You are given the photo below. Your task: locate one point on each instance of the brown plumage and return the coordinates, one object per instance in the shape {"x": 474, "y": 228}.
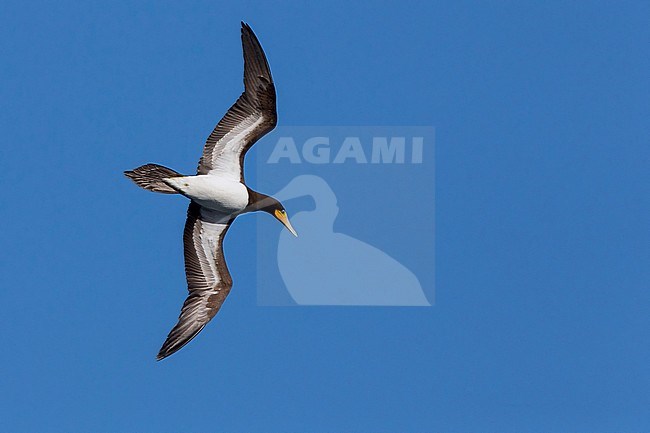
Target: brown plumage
{"x": 203, "y": 245}
{"x": 220, "y": 171}
{"x": 256, "y": 103}
{"x": 149, "y": 177}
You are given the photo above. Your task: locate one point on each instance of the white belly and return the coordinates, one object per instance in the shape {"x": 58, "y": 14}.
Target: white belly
{"x": 213, "y": 192}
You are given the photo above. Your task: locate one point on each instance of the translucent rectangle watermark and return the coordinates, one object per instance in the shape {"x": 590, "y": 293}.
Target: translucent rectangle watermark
{"x": 361, "y": 199}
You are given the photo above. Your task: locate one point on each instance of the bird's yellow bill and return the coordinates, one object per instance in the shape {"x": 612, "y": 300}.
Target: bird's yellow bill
{"x": 284, "y": 219}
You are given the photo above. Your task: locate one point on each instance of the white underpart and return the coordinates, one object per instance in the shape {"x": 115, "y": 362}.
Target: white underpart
{"x": 225, "y": 162}
{"x": 218, "y": 193}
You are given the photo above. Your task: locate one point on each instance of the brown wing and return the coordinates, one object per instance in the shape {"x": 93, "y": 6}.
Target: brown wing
{"x": 208, "y": 279}
{"x": 251, "y": 117}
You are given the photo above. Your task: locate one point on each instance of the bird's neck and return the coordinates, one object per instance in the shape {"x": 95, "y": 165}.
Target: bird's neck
{"x": 256, "y": 201}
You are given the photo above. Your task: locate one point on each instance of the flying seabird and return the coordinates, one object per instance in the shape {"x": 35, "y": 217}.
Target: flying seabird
{"x": 218, "y": 194}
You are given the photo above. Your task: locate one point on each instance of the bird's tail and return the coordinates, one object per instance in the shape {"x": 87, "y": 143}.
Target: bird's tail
{"x": 150, "y": 177}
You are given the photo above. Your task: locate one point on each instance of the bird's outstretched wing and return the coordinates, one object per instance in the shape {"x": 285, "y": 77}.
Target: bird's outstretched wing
{"x": 250, "y": 118}
{"x": 208, "y": 279}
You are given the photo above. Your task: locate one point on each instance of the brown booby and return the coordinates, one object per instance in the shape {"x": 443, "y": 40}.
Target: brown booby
{"x": 218, "y": 194}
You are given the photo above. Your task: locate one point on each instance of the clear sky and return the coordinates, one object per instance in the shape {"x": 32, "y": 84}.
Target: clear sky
{"x": 541, "y": 318}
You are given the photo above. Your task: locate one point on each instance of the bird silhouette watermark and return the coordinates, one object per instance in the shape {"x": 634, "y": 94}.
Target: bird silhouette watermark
{"x": 366, "y": 232}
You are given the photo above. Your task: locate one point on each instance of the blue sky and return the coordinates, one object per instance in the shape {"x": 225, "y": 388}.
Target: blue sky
{"x": 542, "y": 244}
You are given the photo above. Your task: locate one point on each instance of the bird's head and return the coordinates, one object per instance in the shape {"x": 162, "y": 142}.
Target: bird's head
{"x": 271, "y": 206}
{"x": 281, "y": 215}
{"x": 276, "y": 209}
